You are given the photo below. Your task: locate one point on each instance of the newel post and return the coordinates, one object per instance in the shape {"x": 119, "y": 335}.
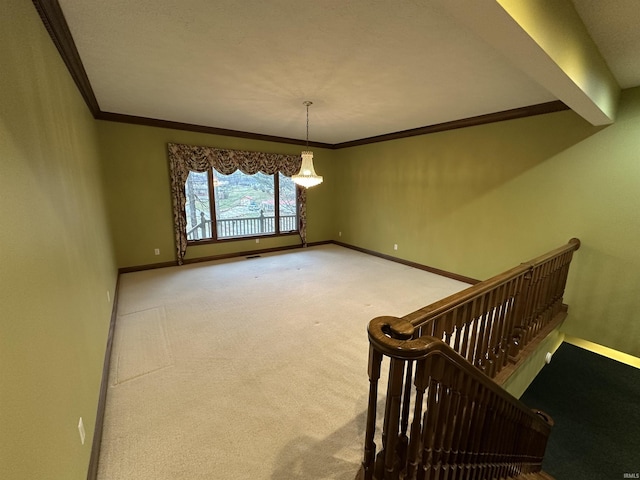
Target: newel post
{"x": 375, "y": 360}
{"x": 387, "y": 335}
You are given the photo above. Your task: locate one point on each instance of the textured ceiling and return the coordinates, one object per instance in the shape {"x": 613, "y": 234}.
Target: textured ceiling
{"x": 369, "y": 67}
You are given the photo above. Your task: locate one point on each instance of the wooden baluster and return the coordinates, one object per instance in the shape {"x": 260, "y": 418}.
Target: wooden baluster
{"x": 497, "y": 430}
{"x": 472, "y": 322}
{"x": 447, "y": 323}
{"x": 444, "y": 399}
{"x": 438, "y": 327}
{"x": 480, "y": 315}
{"x": 491, "y": 439}
{"x": 479, "y": 329}
{"x": 421, "y": 383}
{"x": 488, "y": 444}
{"x": 515, "y": 447}
{"x": 517, "y": 443}
{"x": 520, "y": 311}
{"x": 392, "y": 419}
{"x": 543, "y": 300}
{"x": 483, "y": 330}
{"x": 528, "y": 312}
{"x": 431, "y": 419}
{"x": 493, "y": 326}
{"x": 503, "y": 436}
{"x": 507, "y": 441}
{"x": 552, "y": 283}
{"x": 536, "y": 303}
{"x": 562, "y": 282}
{"x": 465, "y": 311}
{"x": 557, "y": 284}
{"x": 458, "y": 424}
{"x": 498, "y": 329}
{"x": 375, "y": 360}
{"x": 505, "y": 333}
{"x": 457, "y": 325}
{"x": 563, "y": 279}
{"x": 530, "y": 308}
{"x": 514, "y": 286}
{"x": 472, "y": 332}
{"x": 449, "y": 426}
{"x": 429, "y": 329}
{"x": 471, "y": 392}
{"x": 548, "y": 293}
{"x": 475, "y": 449}
{"x": 406, "y": 406}
{"x": 494, "y": 323}
{"x": 489, "y": 322}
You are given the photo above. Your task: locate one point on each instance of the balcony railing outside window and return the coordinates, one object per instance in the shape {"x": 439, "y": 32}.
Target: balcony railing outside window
{"x": 241, "y": 227}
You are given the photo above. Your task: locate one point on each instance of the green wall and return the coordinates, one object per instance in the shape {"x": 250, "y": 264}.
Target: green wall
{"x": 139, "y": 196}
{"x": 479, "y": 200}
{"x": 57, "y": 263}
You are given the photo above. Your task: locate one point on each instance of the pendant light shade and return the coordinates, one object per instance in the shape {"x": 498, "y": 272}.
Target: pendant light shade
{"x": 307, "y": 176}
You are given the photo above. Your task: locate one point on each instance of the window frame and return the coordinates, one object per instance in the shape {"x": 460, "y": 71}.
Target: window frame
{"x": 213, "y": 219}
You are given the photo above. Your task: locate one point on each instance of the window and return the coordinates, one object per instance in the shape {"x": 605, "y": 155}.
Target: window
{"x": 241, "y": 205}
{"x": 198, "y": 193}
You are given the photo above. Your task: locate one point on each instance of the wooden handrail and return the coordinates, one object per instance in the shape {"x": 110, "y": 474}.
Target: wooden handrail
{"x": 460, "y": 420}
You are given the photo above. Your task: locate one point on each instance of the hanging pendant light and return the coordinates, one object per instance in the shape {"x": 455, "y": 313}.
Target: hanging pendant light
{"x": 307, "y": 176}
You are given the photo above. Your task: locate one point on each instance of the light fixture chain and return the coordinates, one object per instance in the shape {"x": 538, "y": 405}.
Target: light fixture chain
{"x": 307, "y": 124}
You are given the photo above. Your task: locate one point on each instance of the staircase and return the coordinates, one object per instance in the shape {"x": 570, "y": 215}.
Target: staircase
{"x": 445, "y": 414}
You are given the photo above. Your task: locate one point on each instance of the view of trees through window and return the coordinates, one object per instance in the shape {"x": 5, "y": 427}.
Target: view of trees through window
{"x": 243, "y": 205}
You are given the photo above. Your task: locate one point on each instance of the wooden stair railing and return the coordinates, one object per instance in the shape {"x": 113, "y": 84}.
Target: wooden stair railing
{"x": 491, "y": 322}
{"x": 463, "y": 424}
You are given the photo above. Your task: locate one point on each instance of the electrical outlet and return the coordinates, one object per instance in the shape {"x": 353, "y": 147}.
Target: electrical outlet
{"x": 157, "y": 251}
{"x": 339, "y": 234}
{"x": 395, "y": 246}
{"x": 257, "y": 240}
{"x": 81, "y": 430}
{"x": 108, "y": 297}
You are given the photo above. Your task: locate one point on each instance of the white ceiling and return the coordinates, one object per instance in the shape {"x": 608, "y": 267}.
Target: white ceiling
{"x": 370, "y": 67}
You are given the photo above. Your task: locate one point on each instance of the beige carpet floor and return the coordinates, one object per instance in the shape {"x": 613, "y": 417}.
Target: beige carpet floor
{"x": 250, "y": 369}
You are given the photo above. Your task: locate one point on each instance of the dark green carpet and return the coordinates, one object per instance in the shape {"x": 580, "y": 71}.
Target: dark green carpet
{"x": 595, "y": 404}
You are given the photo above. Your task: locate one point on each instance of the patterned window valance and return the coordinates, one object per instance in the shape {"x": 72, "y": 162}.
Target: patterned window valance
{"x": 188, "y": 158}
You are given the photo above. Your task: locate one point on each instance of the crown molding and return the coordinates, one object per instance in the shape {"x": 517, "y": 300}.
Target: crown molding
{"x": 528, "y": 111}
{"x": 55, "y": 23}
{"x": 154, "y": 122}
